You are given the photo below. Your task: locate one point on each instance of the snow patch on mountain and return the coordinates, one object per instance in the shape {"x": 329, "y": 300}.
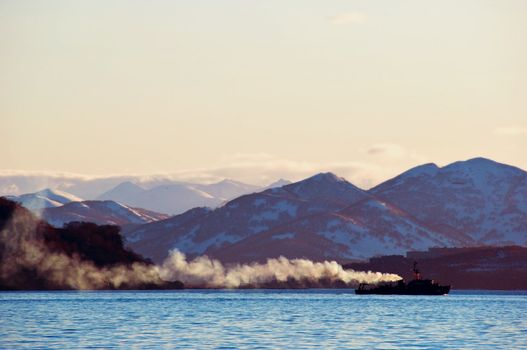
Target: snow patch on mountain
{"x": 199, "y": 248}
{"x": 177, "y": 197}
{"x": 478, "y": 197}
{"x": 99, "y": 212}
{"x": 288, "y": 235}
{"x": 46, "y": 198}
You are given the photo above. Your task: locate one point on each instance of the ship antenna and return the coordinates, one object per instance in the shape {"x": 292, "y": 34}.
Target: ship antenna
{"x": 417, "y": 274}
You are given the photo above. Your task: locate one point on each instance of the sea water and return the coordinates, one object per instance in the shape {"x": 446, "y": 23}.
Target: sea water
{"x": 261, "y": 319}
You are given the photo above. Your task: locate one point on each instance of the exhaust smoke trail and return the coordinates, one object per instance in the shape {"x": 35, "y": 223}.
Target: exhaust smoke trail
{"x": 203, "y": 272}
{"x": 34, "y": 256}
{"x": 27, "y": 262}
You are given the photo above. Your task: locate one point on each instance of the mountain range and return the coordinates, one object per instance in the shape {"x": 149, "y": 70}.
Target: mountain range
{"x": 176, "y": 198}
{"x": 463, "y": 204}
{"x": 162, "y": 196}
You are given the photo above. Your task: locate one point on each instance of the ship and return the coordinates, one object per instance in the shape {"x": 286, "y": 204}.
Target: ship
{"x": 417, "y": 286}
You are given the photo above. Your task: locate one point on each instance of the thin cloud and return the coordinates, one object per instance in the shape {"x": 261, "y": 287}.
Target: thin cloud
{"x": 348, "y": 18}
{"x": 386, "y": 149}
{"x": 394, "y": 153}
{"x": 257, "y": 169}
{"x": 263, "y": 169}
{"x": 510, "y": 131}
{"x": 381, "y": 162}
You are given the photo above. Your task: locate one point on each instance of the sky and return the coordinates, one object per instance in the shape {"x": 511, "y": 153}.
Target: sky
{"x": 256, "y": 90}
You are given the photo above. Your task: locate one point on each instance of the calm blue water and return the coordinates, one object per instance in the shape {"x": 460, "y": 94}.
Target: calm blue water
{"x": 261, "y": 319}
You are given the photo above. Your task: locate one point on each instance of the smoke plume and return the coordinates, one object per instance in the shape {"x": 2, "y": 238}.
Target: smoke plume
{"x": 27, "y": 262}
{"x": 34, "y": 255}
{"x": 203, "y": 272}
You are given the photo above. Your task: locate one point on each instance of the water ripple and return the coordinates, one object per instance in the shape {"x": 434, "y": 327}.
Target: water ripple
{"x": 260, "y": 320}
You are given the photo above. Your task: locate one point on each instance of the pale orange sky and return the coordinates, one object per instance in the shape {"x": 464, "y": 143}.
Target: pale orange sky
{"x": 255, "y": 90}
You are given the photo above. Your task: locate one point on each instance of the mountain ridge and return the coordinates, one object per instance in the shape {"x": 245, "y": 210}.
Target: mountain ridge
{"x": 352, "y": 223}
{"x": 99, "y": 212}
{"x": 45, "y": 198}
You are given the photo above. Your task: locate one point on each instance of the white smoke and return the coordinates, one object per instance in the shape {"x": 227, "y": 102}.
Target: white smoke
{"x": 21, "y": 251}
{"x": 203, "y": 272}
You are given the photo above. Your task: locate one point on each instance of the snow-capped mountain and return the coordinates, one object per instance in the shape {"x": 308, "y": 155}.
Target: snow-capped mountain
{"x": 170, "y": 199}
{"x": 99, "y": 212}
{"x": 46, "y": 198}
{"x": 94, "y": 188}
{"x": 326, "y": 187}
{"x": 246, "y": 216}
{"x": 484, "y": 199}
{"x": 158, "y": 193}
{"x": 277, "y": 183}
{"x": 177, "y": 197}
{"x": 365, "y": 229}
{"x": 466, "y": 203}
{"x": 227, "y": 189}
{"x": 125, "y": 192}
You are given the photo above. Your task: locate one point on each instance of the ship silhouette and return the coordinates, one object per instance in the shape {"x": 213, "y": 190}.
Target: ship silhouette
{"x": 417, "y": 286}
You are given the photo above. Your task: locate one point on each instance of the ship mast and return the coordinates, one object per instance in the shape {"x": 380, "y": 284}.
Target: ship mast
{"x": 417, "y": 274}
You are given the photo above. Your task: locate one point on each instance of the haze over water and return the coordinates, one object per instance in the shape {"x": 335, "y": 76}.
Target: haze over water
{"x": 261, "y": 319}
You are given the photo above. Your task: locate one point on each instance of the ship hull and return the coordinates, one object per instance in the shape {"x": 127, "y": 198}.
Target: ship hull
{"x": 443, "y": 290}
{"x": 415, "y": 287}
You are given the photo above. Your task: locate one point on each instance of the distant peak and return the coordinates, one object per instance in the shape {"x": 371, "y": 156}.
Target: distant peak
{"x": 476, "y": 160}
{"x": 428, "y": 165}
{"x": 47, "y": 191}
{"x": 480, "y": 160}
{"x": 424, "y": 169}
{"x": 59, "y": 195}
{"x": 279, "y": 183}
{"x": 475, "y": 163}
{"x": 43, "y": 192}
{"x": 225, "y": 181}
{"x": 127, "y": 184}
{"x": 326, "y": 177}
